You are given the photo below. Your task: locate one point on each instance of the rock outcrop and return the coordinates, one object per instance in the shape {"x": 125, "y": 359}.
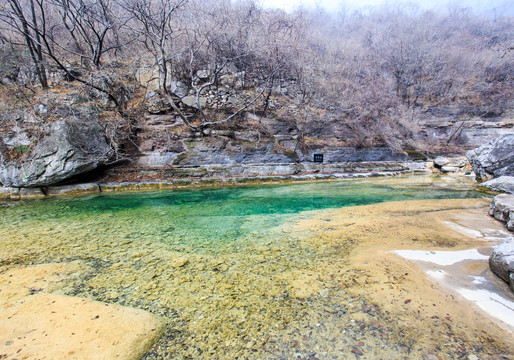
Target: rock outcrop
{"x": 503, "y": 184}
{"x": 502, "y": 208}
{"x": 451, "y": 165}
{"x": 501, "y": 262}
{"x": 70, "y": 148}
{"x": 494, "y": 159}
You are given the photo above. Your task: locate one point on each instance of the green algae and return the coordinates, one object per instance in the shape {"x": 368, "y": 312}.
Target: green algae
{"x": 217, "y": 264}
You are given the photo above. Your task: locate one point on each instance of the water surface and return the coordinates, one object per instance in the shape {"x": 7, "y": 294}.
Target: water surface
{"x": 219, "y": 264}
{"x": 201, "y": 218}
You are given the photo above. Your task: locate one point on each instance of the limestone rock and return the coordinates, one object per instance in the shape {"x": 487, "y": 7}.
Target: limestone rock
{"x": 8, "y": 192}
{"x": 70, "y": 148}
{"x": 501, "y": 184}
{"x": 32, "y": 192}
{"x": 441, "y": 161}
{"x": 73, "y": 189}
{"x": 62, "y": 327}
{"x": 191, "y": 101}
{"x": 450, "y": 169}
{"x": 203, "y": 74}
{"x": 450, "y": 165}
{"x": 501, "y": 262}
{"x": 179, "y": 88}
{"x": 494, "y": 159}
{"x": 502, "y": 209}
{"x": 350, "y": 154}
{"x": 157, "y": 104}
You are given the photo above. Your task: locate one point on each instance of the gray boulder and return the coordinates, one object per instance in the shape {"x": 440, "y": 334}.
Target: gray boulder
{"x": 157, "y": 104}
{"x": 441, "y": 161}
{"x": 494, "y": 159}
{"x": 501, "y": 262}
{"x": 450, "y": 165}
{"x": 179, "y": 89}
{"x": 191, "y": 101}
{"x": 70, "y": 148}
{"x": 502, "y": 209}
{"x": 502, "y": 184}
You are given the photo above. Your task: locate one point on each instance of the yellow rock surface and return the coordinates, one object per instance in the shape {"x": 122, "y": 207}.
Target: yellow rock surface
{"x": 365, "y": 237}
{"x": 53, "y": 326}
{"x": 16, "y": 283}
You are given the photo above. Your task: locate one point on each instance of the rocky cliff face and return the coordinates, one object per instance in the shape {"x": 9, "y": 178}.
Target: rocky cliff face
{"x": 463, "y": 126}
{"x": 70, "y": 147}
{"x": 493, "y": 159}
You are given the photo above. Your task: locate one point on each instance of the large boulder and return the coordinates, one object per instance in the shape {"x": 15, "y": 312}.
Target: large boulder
{"x": 502, "y": 209}
{"x": 501, "y": 262}
{"x": 494, "y": 159}
{"x": 502, "y": 184}
{"x": 157, "y": 104}
{"x": 71, "y": 147}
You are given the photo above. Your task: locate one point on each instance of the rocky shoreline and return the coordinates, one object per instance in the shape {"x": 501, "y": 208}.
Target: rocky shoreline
{"x": 216, "y": 175}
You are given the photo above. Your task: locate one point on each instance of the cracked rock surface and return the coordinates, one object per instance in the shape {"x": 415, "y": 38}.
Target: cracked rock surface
{"x": 71, "y": 147}
{"x": 494, "y": 159}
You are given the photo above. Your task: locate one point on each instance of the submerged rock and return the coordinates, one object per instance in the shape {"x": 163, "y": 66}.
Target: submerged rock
{"x": 501, "y": 262}
{"x": 54, "y": 326}
{"x": 494, "y": 159}
{"x": 71, "y": 147}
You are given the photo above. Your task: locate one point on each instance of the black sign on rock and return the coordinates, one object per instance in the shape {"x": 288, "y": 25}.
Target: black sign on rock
{"x": 318, "y": 158}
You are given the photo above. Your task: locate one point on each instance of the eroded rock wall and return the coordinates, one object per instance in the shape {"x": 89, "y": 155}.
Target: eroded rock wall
{"x": 69, "y": 148}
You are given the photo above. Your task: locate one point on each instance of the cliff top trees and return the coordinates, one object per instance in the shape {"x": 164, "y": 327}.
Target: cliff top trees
{"x": 368, "y": 68}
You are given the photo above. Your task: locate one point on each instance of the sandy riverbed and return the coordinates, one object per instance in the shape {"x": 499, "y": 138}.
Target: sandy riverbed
{"x": 429, "y": 310}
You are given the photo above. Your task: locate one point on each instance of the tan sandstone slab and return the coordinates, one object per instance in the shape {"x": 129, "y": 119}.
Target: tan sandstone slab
{"x": 21, "y": 281}
{"x": 53, "y": 326}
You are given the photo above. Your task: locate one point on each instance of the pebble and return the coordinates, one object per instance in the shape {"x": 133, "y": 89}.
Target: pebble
{"x": 180, "y": 262}
{"x": 430, "y": 357}
{"x": 357, "y": 351}
{"x": 224, "y": 267}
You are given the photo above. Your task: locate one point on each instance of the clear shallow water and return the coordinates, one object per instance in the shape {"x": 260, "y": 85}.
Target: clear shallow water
{"x": 218, "y": 265}
{"x": 202, "y": 217}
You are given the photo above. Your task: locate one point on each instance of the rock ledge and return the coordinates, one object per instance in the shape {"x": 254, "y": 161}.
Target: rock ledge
{"x": 501, "y": 261}
{"x": 501, "y": 184}
{"x": 502, "y": 208}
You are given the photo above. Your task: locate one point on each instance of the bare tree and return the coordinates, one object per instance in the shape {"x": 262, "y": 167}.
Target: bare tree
{"x": 28, "y": 20}
{"x": 33, "y": 21}
{"x": 93, "y": 27}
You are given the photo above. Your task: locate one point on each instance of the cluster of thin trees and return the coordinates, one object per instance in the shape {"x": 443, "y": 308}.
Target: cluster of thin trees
{"x": 366, "y": 67}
